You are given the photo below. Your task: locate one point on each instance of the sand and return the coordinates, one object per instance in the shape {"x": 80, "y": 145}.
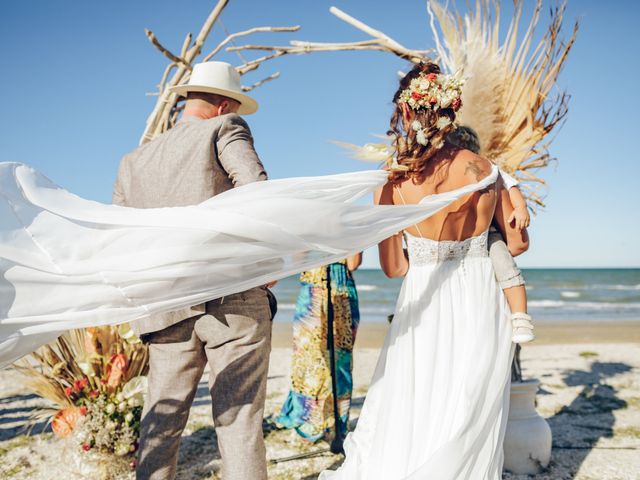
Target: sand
{"x": 371, "y": 335}
{"x": 590, "y": 394}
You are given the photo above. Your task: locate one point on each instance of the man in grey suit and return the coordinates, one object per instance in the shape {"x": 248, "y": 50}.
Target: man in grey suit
{"x": 210, "y": 150}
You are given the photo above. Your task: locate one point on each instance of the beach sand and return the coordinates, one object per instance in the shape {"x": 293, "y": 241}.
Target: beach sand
{"x": 590, "y": 394}
{"x": 371, "y": 335}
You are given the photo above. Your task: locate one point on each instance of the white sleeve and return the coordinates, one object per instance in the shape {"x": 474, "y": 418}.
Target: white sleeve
{"x": 509, "y": 181}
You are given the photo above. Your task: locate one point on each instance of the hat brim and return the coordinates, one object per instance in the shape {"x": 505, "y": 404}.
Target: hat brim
{"x": 247, "y": 104}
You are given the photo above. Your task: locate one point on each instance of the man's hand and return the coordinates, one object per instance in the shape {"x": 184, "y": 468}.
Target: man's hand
{"x": 520, "y": 216}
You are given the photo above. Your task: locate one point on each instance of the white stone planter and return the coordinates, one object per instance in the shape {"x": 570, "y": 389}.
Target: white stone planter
{"x": 527, "y": 442}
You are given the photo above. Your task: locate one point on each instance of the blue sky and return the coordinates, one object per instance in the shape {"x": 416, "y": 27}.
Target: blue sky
{"x": 75, "y": 76}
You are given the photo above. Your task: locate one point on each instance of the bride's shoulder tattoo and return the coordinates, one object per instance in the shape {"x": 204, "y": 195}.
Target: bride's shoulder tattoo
{"x": 474, "y": 167}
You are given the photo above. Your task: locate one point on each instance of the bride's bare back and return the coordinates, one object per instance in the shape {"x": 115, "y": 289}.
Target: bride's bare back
{"x": 450, "y": 170}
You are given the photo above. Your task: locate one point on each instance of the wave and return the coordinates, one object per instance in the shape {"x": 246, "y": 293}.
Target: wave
{"x": 570, "y": 294}
{"x": 286, "y": 306}
{"x": 601, "y": 286}
{"x": 584, "y": 305}
{"x": 616, "y": 287}
{"x": 366, "y": 288}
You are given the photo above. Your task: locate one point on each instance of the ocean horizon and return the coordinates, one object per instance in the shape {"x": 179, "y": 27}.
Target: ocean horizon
{"x": 555, "y": 294}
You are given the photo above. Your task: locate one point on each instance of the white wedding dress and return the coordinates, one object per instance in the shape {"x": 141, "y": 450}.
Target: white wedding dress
{"x": 438, "y": 401}
{"x": 66, "y": 262}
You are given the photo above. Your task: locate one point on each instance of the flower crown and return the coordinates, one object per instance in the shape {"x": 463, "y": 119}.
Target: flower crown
{"x": 433, "y": 91}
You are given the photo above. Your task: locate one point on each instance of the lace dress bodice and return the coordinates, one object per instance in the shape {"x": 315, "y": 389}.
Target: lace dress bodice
{"x": 425, "y": 251}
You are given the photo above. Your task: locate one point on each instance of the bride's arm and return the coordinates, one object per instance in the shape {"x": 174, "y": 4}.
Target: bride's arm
{"x": 354, "y": 261}
{"x": 393, "y": 258}
{"x": 517, "y": 240}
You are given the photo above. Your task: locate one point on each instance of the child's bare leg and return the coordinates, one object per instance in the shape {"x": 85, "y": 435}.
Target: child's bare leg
{"x": 516, "y": 298}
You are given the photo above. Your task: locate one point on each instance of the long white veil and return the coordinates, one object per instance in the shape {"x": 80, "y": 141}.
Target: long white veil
{"x": 66, "y": 262}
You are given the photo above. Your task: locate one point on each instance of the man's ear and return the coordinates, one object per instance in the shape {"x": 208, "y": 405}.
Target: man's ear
{"x": 223, "y": 107}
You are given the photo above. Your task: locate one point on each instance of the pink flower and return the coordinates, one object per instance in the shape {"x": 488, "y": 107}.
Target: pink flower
{"x": 68, "y": 391}
{"x": 416, "y": 95}
{"x": 432, "y": 77}
{"x": 83, "y": 410}
{"x": 433, "y": 100}
{"x": 86, "y": 447}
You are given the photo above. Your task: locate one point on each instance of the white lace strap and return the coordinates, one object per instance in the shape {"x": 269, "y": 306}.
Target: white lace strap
{"x": 402, "y": 198}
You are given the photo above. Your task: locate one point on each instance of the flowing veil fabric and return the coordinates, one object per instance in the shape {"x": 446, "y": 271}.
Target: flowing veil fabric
{"x": 66, "y": 262}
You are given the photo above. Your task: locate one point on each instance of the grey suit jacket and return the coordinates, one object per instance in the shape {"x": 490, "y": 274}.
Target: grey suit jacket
{"x": 189, "y": 164}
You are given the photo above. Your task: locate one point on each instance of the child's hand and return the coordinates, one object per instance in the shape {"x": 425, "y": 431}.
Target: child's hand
{"x": 521, "y": 218}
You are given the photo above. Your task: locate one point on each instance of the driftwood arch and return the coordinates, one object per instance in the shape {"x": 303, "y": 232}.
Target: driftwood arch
{"x": 166, "y": 111}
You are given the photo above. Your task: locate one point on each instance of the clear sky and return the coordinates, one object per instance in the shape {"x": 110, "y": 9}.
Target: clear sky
{"x": 75, "y": 74}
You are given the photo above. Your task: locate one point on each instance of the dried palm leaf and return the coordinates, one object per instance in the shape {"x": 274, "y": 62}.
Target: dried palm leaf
{"x": 508, "y": 96}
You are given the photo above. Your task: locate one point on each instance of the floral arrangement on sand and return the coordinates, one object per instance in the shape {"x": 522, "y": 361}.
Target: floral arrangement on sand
{"x": 94, "y": 380}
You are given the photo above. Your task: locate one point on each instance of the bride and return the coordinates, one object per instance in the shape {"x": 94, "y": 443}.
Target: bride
{"x": 438, "y": 402}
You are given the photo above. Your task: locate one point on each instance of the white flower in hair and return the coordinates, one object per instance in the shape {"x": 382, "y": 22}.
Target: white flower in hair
{"x": 443, "y": 122}
{"x": 421, "y": 138}
{"x": 416, "y": 125}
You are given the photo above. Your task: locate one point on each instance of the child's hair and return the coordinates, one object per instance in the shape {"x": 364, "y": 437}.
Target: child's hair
{"x": 465, "y": 137}
{"x": 413, "y": 153}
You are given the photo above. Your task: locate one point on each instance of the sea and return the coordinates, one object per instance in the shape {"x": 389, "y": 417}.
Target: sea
{"x": 597, "y": 295}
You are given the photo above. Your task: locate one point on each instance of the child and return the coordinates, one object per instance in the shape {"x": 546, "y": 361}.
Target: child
{"x": 507, "y": 272}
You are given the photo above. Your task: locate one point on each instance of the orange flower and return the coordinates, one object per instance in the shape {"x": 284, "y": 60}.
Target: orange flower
{"x": 432, "y": 77}
{"x": 416, "y": 95}
{"x": 65, "y": 421}
{"x": 79, "y": 385}
{"x": 116, "y": 370}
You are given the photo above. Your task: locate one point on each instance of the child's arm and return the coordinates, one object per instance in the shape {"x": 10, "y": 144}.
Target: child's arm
{"x": 517, "y": 240}
{"x": 519, "y": 217}
{"x": 520, "y": 214}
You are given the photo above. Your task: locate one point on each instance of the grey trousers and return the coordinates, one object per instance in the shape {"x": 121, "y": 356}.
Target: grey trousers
{"x": 236, "y": 346}
{"x": 507, "y": 272}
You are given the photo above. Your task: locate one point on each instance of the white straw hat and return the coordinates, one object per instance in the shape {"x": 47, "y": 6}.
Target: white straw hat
{"x": 219, "y": 78}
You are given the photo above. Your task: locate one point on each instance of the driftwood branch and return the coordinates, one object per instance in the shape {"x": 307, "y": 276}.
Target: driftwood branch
{"x": 379, "y": 42}
{"x": 261, "y": 82}
{"x": 175, "y": 59}
{"x": 166, "y": 110}
{"x": 251, "y": 31}
{"x": 186, "y": 44}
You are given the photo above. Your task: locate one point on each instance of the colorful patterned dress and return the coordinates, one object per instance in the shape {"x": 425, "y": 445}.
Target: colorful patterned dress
{"x": 309, "y": 405}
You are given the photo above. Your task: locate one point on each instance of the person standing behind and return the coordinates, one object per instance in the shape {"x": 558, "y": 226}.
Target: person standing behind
{"x": 308, "y": 407}
{"x": 210, "y": 150}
